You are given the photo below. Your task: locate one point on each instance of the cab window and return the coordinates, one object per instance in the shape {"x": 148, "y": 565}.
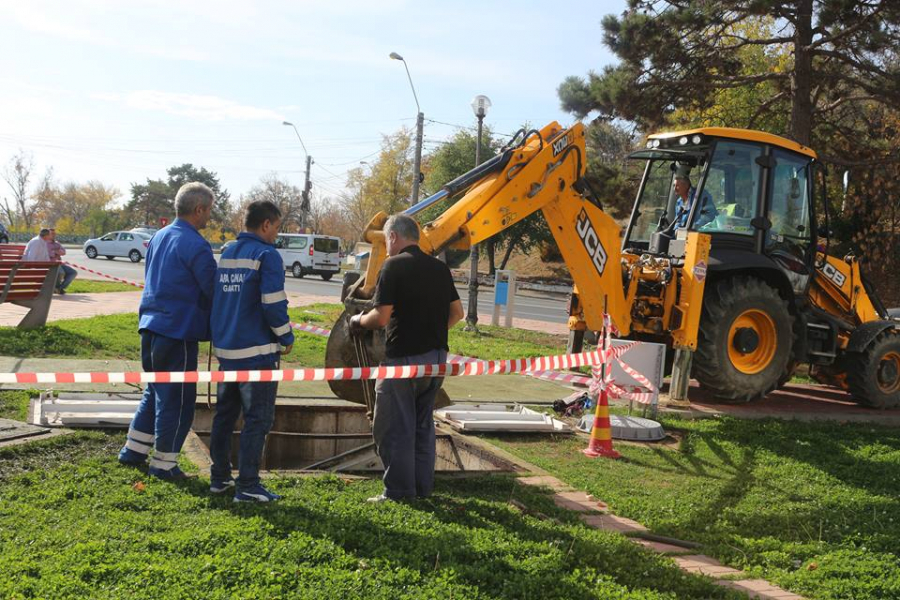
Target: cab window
{"x": 732, "y": 184}
{"x": 789, "y": 208}
{"x": 654, "y": 201}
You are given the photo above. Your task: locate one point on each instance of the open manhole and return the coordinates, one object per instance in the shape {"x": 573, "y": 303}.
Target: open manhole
{"x": 335, "y": 435}
{"x": 318, "y": 434}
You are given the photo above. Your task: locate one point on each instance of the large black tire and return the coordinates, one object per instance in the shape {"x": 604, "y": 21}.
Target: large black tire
{"x": 744, "y": 342}
{"x": 873, "y": 375}
{"x": 327, "y": 276}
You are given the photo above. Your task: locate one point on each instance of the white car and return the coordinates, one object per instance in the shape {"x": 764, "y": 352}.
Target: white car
{"x": 119, "y": 243}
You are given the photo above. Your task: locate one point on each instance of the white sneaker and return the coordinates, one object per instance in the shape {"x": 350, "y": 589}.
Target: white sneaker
{"x": 379, "y": 498}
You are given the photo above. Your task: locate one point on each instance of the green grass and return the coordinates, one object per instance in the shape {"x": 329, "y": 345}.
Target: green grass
{"x": 491, "y": 343}
{"x": 73, "y": 525}
{"x": 107, "y": 336}
{"x": 14, "y": 404}
{"x": 92, "y": 286}
{"x": 814, "y": 507}
{"x": 115, "y": 336}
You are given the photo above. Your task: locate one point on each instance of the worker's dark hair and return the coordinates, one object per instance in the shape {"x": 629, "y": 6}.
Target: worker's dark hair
{"x": 259, "y": 212}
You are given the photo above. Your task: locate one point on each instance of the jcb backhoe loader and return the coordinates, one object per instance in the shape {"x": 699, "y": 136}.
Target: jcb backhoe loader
{"x": 731, "y": 272}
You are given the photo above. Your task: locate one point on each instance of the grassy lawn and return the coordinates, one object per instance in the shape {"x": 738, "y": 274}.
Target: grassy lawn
{"x": 93, "y": 286}
{"x": 813, "y": 507}
{"x": 75, "y": 524}
{"x": 115, "y": 336}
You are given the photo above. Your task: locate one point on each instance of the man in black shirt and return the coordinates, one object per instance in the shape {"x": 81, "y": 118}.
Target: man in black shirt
{"x": 416, "y": 301}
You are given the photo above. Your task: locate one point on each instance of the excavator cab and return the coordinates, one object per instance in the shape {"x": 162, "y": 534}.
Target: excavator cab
{"x": 773, "y": 298}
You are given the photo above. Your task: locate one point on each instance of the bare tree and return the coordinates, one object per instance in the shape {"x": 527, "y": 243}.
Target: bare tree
{"x": 17, "y": 175}
{"x": 286, "y": 196}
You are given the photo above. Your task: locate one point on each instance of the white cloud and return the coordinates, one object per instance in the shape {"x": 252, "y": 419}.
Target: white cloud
{"x": 211, "y": 108}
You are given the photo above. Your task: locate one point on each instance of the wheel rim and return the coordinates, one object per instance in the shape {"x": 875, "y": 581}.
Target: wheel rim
{"x": 752, "y": 341}
{"x": 888, "y": 375}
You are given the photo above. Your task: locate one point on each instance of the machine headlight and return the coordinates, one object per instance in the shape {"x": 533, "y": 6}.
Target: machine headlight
{"x": 696, "y": 139}
{"x": 683, "y": 140}
{"x": 649, "y": 143}
{"x": 656, "y": 143}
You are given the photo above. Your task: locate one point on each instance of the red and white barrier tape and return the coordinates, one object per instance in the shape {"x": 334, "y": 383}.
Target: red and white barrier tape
{"x": 643, "y": 393}
{"x": 493, "y": 367}
{"x": 74, "y": 266}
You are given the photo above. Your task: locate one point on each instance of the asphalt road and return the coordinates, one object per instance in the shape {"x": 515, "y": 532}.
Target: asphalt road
{"x": 528, "y": 305}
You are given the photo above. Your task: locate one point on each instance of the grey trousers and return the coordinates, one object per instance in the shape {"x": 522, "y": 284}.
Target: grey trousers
{"x": 403, "y": 428}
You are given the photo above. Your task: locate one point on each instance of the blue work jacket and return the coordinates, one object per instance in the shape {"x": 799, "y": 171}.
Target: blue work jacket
{"x": 250, "y": 324}
{"x": 178, "y": 284}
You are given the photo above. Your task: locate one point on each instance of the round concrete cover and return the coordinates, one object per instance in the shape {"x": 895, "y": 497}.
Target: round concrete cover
{"x": 628, "y": 428}
{"x": 636, "y": 428}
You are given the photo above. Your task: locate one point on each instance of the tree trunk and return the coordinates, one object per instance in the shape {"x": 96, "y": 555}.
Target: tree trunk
{"x": 490, "y": 256}
{"x": 801, "y": 77}
{"x": 509, "y": 250}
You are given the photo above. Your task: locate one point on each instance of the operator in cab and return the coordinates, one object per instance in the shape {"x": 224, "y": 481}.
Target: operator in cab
{"x": 686, "y": 193}
{"x": 416, "y": 301}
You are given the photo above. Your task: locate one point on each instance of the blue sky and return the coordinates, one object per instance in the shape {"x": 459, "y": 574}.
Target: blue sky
{"x": 119, "y": 91}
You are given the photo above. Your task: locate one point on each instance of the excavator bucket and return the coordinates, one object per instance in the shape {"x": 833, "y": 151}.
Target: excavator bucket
{"x": 344, "y": 350}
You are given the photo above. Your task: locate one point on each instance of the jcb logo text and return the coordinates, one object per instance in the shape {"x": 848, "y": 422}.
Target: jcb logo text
{"x": 591, "y": 241}
{"x": 834, "y": 275}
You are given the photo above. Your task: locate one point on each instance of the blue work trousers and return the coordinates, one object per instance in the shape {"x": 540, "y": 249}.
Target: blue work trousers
{"x": 256, "y": 399}
{"x": 166, "y": 411}
{"x": 403, "y": 428}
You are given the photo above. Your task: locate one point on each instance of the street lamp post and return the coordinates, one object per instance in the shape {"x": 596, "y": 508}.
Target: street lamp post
{"x": 480, "y": 106}
{"x": 420, "y": 125}
{"x": 307, "y": 185}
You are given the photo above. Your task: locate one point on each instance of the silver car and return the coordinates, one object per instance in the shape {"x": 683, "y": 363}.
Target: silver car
{"x": 132, "y": 244}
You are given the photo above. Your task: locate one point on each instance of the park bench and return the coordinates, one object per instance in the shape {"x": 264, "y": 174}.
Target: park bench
{"x": 27, "y": 284}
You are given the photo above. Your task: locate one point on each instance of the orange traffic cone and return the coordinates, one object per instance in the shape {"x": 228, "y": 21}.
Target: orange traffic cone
{"x": 601, "y": 432}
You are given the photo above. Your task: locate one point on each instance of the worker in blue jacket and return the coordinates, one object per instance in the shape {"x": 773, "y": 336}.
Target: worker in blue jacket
{"x": 250, "y": 330}
{"x": 174, "y": 317}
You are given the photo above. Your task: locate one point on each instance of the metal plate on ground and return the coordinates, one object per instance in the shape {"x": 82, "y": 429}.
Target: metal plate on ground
{"x": 11, "y": 430}
{"x": 636, "y": 429}
{"x": 499, "y": 417}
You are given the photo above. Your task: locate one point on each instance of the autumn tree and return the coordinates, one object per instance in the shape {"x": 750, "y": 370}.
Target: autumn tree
{"x": 79, "y": 208}
{"x": 21, "y": 208}
{"x": 680, "y": 53}
{"x": 383, "y": 184}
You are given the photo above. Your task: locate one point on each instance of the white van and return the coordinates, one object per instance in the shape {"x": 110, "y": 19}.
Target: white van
{"x": 310, "y": 254}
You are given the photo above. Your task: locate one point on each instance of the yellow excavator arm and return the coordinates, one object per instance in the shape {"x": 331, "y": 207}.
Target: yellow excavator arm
{"x": 541, "y": 171}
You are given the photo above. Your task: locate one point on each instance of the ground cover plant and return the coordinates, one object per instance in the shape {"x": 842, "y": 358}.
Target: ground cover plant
{"x": 93, "y": 286}
{"x": 75, "y": 524}
{"x": 813, "y": 507}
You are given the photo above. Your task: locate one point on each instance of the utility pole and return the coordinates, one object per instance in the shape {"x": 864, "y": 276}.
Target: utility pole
{"x": 420, "y": 124}
{"x": 307, "y": 185}
{"x": 417, "y": 167}
{"x": 480, "y": 106}
{"x": 304, "y": 204}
